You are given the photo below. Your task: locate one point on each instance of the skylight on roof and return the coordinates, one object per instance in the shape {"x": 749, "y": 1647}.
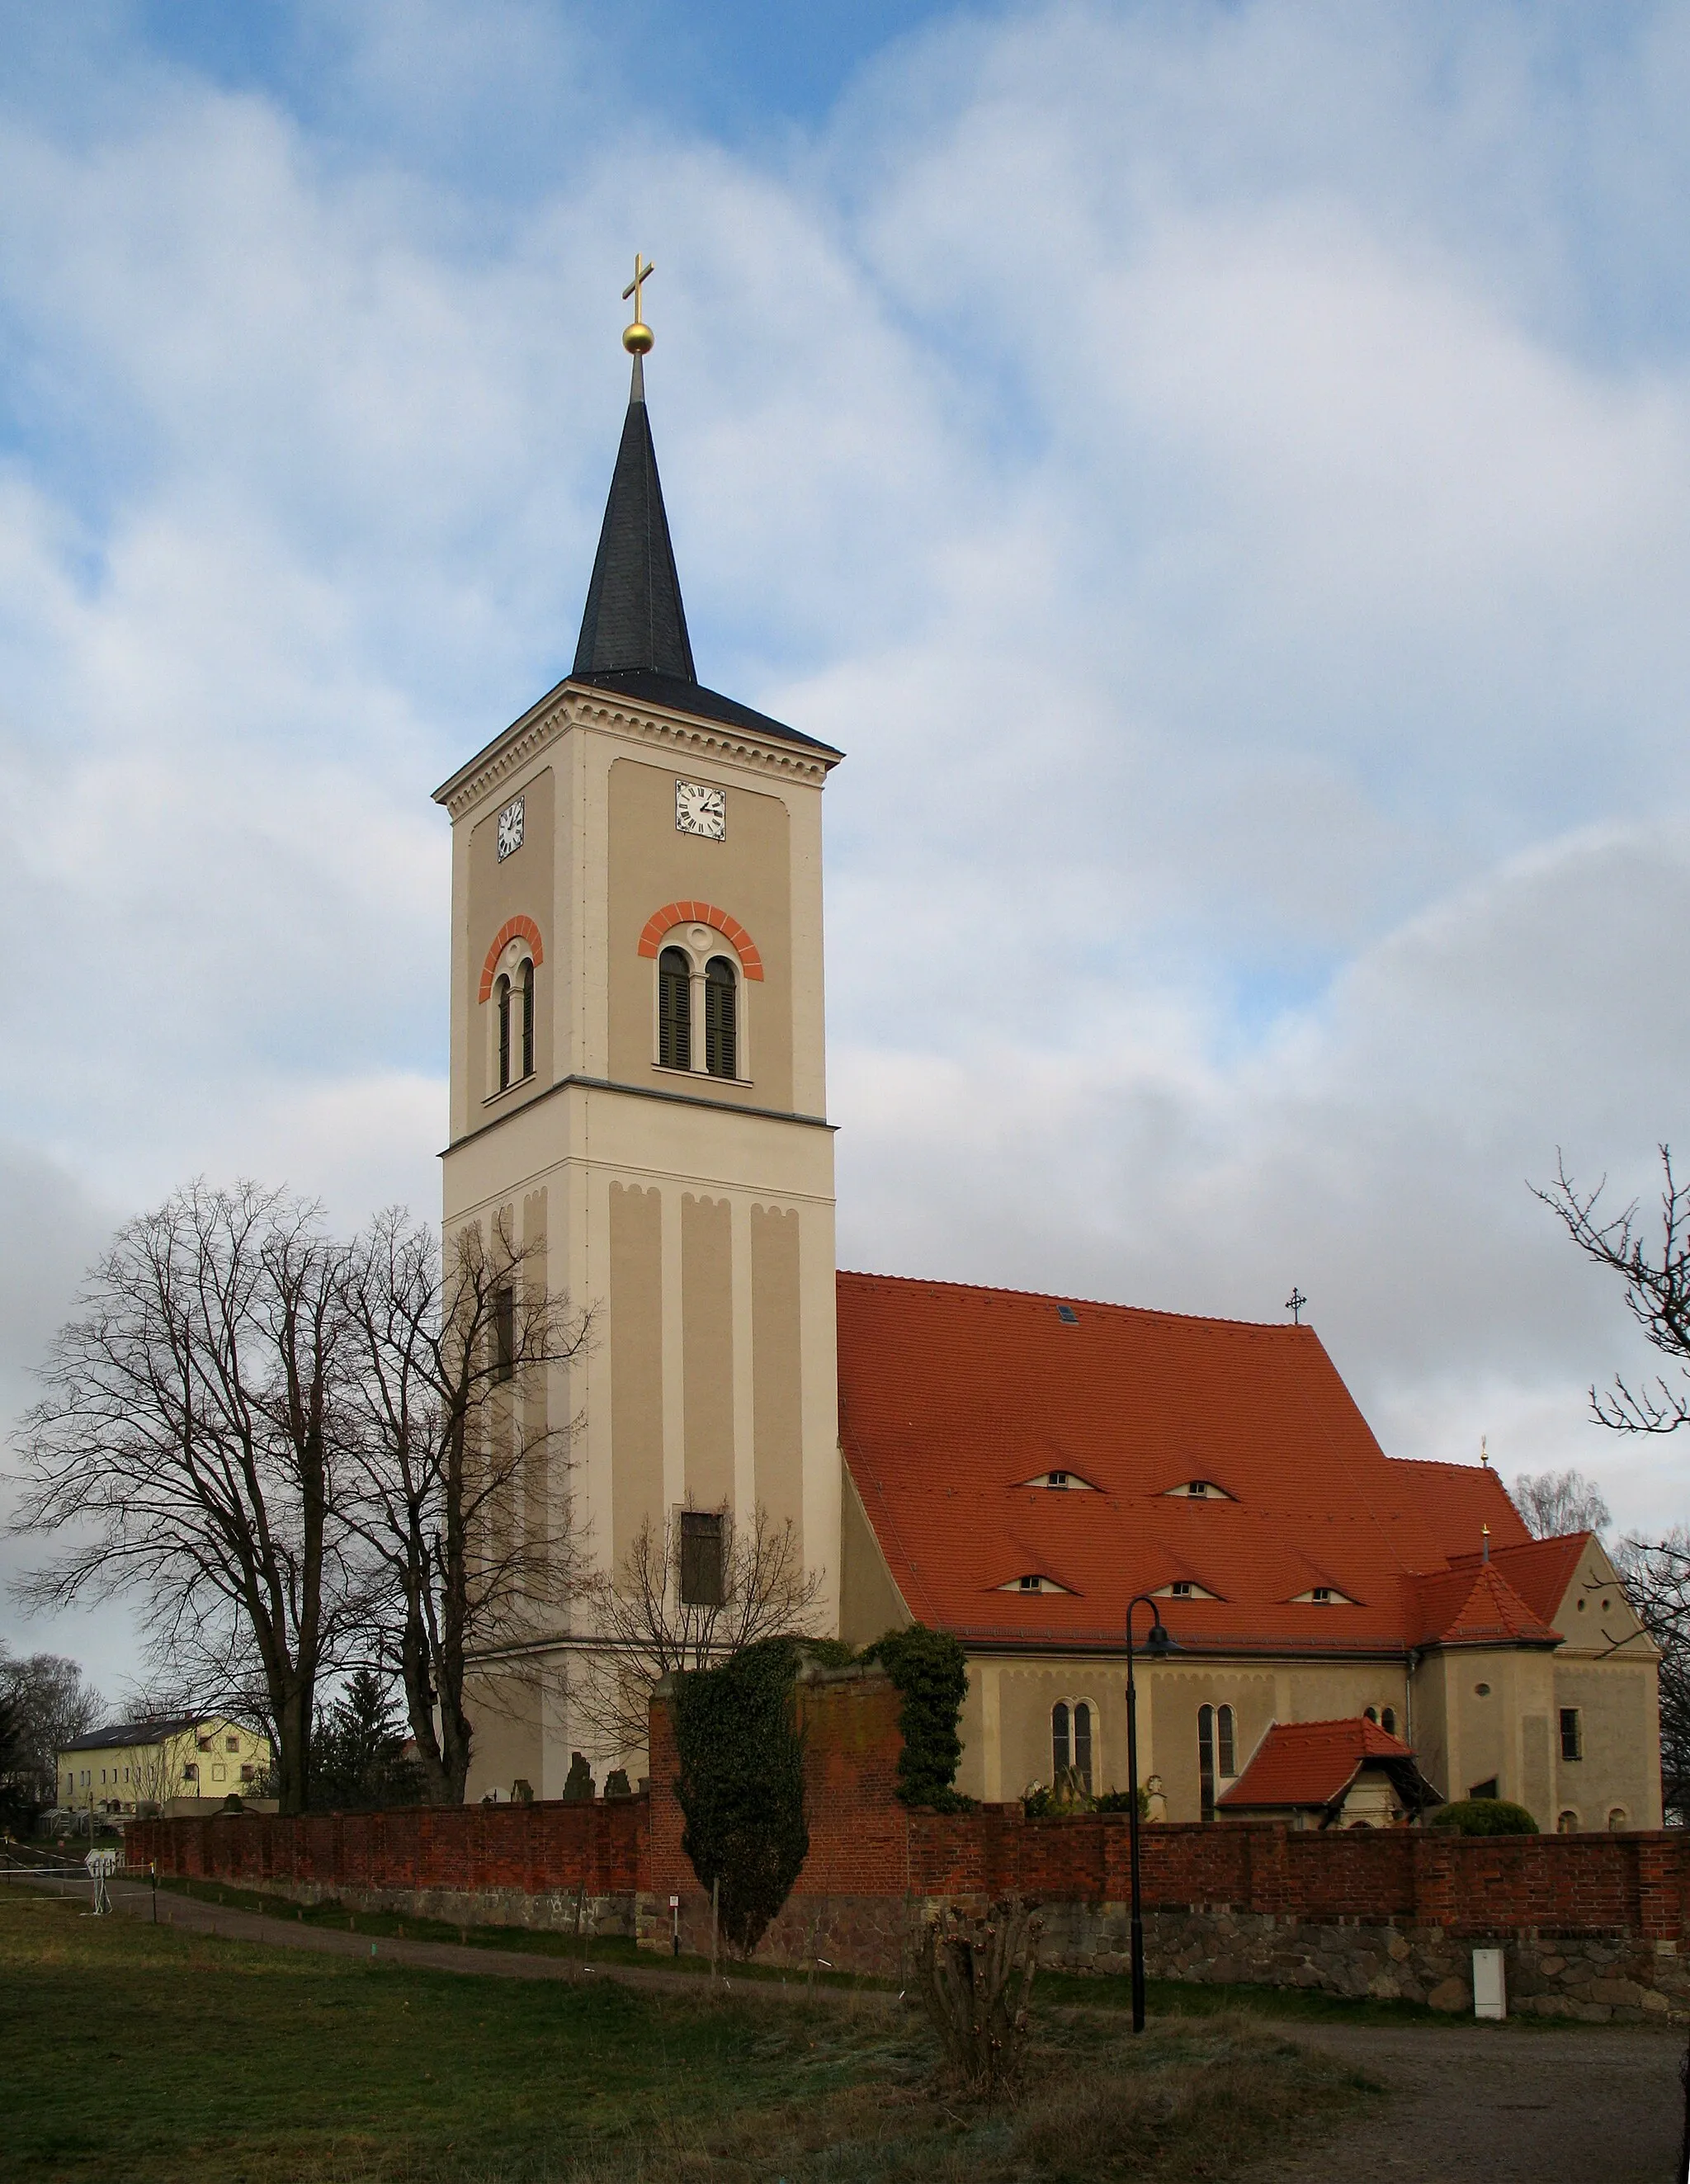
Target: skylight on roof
{"x": 1068, "y": 1315}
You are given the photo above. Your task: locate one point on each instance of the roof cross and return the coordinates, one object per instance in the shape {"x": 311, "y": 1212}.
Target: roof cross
{"x": 1294, "y": 1304}
{"x": 637, "y": 338}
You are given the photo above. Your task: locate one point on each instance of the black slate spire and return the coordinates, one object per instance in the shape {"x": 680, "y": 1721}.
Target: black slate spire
{"x": 634, "y": 623}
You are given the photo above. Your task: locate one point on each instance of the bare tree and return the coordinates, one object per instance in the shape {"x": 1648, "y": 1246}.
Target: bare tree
{"x": 1556, "y": 1502}
{"x": 1653, "y": 1261}
{"x": 1656, "y": 1575}
{"x": 185, "y": 1449}
{"x": 52, "y": 1703}
{"x": 689, "y": 1593}
{"x": 457, "y": 1483}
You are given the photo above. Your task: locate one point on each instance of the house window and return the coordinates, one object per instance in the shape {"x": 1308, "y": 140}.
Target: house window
{"x": 702, "y": 1576}
{"x": 720, "y": 1018}
{"x": 1572, "y": 1734}
{"x": 191, "y": 1771}
{"x": 1205, "y": 1762}
{"x": 1387, "y": 1721}
{"x": 1567, "y": 1822}
{"x": 504, "y": 1333}
{"x": 1322, "y": 1593}
{"x": 1484, "y": 1789}
{"x": 1180, "y": 1589}
{"x": 231, "y": 1744}
{"x": 674, "y": 1010}
{"x": 1062, "y": 1750}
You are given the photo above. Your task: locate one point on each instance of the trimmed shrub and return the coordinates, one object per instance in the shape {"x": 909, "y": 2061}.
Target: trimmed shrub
{"x": 578, "y": 1785}
{"x": 930, "y": 1671}
{"x": 741, "y": 1784}
{"x": 1484, "y": 1816}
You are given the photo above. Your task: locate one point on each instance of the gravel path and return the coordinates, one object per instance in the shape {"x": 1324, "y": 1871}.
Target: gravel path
{"x": 1473, "y": 2105}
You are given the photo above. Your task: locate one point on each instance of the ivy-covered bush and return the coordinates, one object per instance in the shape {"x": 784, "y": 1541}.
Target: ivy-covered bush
{"x": 741, "y": 1784}
{"x": 930, "y": 1671}
{"x": 1484, "y": 1816}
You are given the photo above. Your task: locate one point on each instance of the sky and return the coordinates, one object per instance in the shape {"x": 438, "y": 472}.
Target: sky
{"x": 1221, "y": 472}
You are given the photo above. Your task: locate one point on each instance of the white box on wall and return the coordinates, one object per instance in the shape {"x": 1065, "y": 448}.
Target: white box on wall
{"x": 1490, "y": 1993}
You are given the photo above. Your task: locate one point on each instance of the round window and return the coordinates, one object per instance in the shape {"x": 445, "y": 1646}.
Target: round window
{"x": 1481, "y": 1690}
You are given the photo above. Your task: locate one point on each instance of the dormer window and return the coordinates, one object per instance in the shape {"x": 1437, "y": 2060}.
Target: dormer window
{"x": 1199, "y": 1489}
{"x": 1184, "y": 1588}
{"x": 1322, "y": 1595}
{"x": 1033, "y": 1581}
{"x": 1062, "y": 1482}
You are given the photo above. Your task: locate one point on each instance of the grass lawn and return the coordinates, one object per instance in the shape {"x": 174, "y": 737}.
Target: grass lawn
{"x": 153, "y": 2054}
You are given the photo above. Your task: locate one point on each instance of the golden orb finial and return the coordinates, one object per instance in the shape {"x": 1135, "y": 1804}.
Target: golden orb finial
{"x": 638, "y": 339}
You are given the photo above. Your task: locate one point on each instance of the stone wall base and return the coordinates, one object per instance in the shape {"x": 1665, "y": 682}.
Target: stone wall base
{"x": 553, "y": 1913}
{"x": 1598, "y": 1980}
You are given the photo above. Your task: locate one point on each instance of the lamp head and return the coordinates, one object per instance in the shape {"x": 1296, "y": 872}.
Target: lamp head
{"x": 1159, "y": 1640}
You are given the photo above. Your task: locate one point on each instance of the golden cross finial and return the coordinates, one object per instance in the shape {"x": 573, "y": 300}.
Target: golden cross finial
{"x": 637, "y": 338}
{"x": 1484, "y": 1452}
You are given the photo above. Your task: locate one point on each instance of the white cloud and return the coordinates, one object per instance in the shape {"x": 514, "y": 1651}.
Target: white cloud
{"x": 1220, "y": 474}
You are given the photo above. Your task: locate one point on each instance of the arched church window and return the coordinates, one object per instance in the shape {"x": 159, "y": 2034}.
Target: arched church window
{"x": 1225, "y": 1752}
{"x": 1205, "y": 1763}
{"x": 1082, "y": 1744}
{"x": 674, "y": 1010}
{"x": 1387, "y": 1721}
{"x": 721, "y": 1017}
{"x": 1062, "y": 1750}
{"x": 501, "y": 996}
{"x": 525, "y": 976}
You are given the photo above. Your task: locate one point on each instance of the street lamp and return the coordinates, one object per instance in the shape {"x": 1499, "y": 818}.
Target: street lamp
{"x": 1157, "y": 1644}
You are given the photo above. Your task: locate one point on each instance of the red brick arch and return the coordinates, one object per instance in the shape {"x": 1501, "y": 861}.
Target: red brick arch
{"x": 513, "y": 928}
{"x": 701, "y": 913}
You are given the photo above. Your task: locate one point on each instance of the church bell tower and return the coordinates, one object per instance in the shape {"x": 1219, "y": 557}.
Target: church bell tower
{"x": 638, "y": 1088}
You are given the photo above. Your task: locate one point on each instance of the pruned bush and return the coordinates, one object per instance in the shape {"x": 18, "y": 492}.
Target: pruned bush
{"x": 1484, "y": 1816}
{"x": 741, "y": 1784}
{"x": 976, "y": 1977}
{"x": 577, "y": 1783}
{"x": 931, "y": 1673}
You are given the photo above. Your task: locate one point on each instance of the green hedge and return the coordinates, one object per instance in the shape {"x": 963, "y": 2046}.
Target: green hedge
{"x": 1484, "y": 1816}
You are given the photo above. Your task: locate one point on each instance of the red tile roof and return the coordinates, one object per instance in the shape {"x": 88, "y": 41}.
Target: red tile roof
{"x": 950, "y": 1397}
{"x": 1305, "y": 1763}
{"x": 1539, "y": 1571}
{"x": 1474, "y": 1604}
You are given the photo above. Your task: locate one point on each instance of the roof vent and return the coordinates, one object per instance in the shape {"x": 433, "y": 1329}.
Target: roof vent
{"x": 1068, "y": 1315}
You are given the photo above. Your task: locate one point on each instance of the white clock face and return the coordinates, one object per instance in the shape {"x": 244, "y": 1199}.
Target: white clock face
{"x": 701, "y": 810}
{"x": 510, "y": 829}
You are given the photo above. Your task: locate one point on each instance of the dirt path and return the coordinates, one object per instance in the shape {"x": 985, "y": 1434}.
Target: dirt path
{"x": 1469, "y": 2104}
{"x": 1473, "y": 2105}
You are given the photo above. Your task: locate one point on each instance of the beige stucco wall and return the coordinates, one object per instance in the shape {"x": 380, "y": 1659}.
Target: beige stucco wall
{"x": 694, "y": 1223}
{"x": 748, "y": 875}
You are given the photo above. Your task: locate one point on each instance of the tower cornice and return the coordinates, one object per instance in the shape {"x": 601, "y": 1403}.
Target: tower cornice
{"x": 572, "y": 704}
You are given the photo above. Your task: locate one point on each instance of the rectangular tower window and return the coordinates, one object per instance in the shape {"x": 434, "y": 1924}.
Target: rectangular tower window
{"x": 504, "y": 1333}
{"x": 702, "y": 1576}
{"x": 1572, "y": 1736}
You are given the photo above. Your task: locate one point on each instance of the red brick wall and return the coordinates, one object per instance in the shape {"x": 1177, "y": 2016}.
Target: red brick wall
{"x": 871, "y": 1859}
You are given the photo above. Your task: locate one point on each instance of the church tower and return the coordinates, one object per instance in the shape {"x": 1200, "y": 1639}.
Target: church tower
{"x": 638, "y": 1088}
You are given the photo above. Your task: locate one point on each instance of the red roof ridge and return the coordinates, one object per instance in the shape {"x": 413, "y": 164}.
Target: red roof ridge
{"x": 1092, "y": 1304}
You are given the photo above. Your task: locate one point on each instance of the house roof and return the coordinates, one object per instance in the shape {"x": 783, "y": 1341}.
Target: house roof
{"x": 951, "y": 1398}
{"x": 123, "y": 1733}
{"x": 1304, "y": 1764}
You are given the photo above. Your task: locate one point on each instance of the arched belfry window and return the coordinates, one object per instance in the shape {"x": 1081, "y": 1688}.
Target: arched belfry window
{"x": 674, "y": 1010}
{"x": 526, "y": 978}
{"x": 721, "y": 1017}
{"x": 501, "y": 996}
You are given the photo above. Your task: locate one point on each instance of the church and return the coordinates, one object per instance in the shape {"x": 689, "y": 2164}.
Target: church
{"x": 639, "y": 1096}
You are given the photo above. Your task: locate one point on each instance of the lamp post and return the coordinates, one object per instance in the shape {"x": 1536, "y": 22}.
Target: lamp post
{"x": 1157, "y": 1644}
